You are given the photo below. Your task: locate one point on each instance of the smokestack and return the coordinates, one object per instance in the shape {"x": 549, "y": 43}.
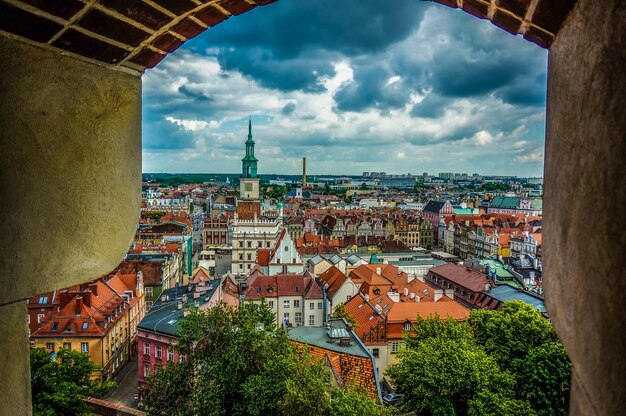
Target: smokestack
{"x": 303, "y": 172}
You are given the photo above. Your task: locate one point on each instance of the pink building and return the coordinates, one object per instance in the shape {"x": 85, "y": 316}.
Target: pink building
{"x": 157, "y": 330}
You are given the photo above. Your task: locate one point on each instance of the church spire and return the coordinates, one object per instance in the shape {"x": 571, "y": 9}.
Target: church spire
{"x": 249, "y": 161}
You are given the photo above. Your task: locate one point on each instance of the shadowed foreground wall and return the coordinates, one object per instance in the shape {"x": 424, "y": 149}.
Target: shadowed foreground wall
{"x": 70, "y": 176}
{"x": 70, "y": 186}
{"x": 584, "y": 227}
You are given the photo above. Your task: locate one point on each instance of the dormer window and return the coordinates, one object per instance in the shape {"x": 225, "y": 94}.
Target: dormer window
{"x": 55, "y": 326}
{"x": 407, "y": 326}
{"x": 260, "y": 290}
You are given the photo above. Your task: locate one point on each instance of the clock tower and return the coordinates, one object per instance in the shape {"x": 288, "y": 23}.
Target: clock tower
{"x": 249, "y": 204}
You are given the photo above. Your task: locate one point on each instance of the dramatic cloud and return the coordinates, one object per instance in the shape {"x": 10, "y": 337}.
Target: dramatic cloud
{"x": 352, "y": 86}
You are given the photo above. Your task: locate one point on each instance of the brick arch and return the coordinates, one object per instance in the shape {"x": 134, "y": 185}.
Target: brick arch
{"x": 138, "y": 34}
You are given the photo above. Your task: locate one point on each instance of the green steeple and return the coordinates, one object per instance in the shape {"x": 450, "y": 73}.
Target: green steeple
{"x": 248, "y": 165}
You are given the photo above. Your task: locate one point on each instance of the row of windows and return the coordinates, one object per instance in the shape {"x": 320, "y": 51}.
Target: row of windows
{"x": 298, "y": 318}
{"x": 84, "y": 346}
{"x": 296, "y": 304}
{"x": 259, "y": 244}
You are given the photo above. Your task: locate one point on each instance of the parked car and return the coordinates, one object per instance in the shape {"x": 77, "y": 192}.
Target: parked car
{"x": 393, "y": 399}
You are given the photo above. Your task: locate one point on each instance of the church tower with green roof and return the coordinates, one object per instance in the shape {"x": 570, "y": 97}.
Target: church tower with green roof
{"x": 249, "y": 203}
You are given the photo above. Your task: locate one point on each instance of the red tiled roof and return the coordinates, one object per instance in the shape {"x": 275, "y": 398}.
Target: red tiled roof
{"x": 283, "y": 285}
{"x": 334, "y": 278}
{"x": 469, "y": 279}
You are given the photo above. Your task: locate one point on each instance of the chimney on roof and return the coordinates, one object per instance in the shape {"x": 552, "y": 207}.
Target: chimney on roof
{"x": 438, "y": 294}
{"x": 411, "y": 295}
{"x": 379, "y": 270}
{"x": 367, "y": 298}
{"x": 94, "y": 288}
{"x": 417, "y": 298}
{"x": 87, "y": 298}
{"x": 79, "y": 304}
{"x": 406, "y": 291}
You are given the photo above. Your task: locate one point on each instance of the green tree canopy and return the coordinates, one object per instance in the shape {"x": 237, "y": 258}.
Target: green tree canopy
{"x": 239, "y": 363}
{"x": 507, "y": 362}
{"x": 60, "y": 385}
{"x": 340, "y": 312}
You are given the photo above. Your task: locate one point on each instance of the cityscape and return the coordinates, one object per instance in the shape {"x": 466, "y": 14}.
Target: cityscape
{"x": 347, "y": 268}
{"x": 329, "y": 208}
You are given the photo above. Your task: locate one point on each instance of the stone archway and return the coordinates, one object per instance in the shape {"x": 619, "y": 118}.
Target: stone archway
{"x": 70, "y": 167}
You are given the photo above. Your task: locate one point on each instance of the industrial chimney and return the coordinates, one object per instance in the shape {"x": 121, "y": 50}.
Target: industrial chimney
{"x": 303, "y": 172}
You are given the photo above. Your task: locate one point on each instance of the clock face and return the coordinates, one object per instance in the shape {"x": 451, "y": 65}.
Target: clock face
{"x": 248, "y": 187}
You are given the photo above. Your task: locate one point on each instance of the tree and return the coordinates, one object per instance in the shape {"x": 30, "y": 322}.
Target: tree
{"x": 60, "y": 385}
{"x": 443, "y": 376}
{"x": 239, "y": 363}
{"x": 340, "y": 312}
{"x": 442, "y": 369}
{"x": 346, "y": 402}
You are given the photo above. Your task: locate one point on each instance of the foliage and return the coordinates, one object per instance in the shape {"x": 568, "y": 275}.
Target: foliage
{"x": 154, "y": 215}
{"x": 275, "y": 191}
{"x": 489, "y": 186}
{"x": 506, "y": 362}
{"x": 340, "y": 312}
{"x": 346, "y": 402}
{"x": 60, "y": 386}
{"x": 239, "y": 363}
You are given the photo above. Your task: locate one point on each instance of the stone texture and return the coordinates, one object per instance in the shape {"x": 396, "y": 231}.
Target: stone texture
{"x": 584, "y": 240}
{"x": 550, "y": 14}
{"x": 15, "y": 393}
{"x": 70, "y": 169}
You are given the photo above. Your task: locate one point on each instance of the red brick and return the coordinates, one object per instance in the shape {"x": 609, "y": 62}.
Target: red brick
{"x": 167, "y": 42}
{"x": 236, "y": 7}
{"x": 138, "y": 11}
{"x": 476, "y": 8}
{"x": 105, "y": 25}
{"x": 84, "y": 45}
{"x": 22, "y": 23}
{"x": 188, "y": 28}
{"x": 449, "y": 3}
{"x": 64, "y": 9}
{"x": 210, "y": 16}
{"x": 517, "y": 7}
{"x": 539, "y": 37}
{"x": 550, "y": 14}
{"x": 506, "y": 22}
{"x": 178, "y": 7}
{"x": 147, "y": 58}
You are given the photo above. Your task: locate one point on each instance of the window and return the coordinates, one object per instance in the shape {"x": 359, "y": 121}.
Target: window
{"x": 286, "y": 317}
{"x": 267, "y": 244}
{"x": 43, "y": 299}
{"x": 249, "y": 256}
{"x": 407, "y": 326}
{"x": 84, "y": 347}
{"x": 297, "y": 288}
{"x": 182, "y": 357}
{"x": 311, "y": 305}
{"x": 50, "y": 346}
{"x": 241, "y": 257}
{"x": 149, "y": 291}
{"x": 298, "y": 317}
{"x": 296, "y": 303}
{"x": 348, "y": 297}
{"x": 249, "y": 244}
{"x": 85, "y": 325}
{"x": 271, "y": 304}
{"x": 260, "y": 244}
{"x": 312, "y": 320}
{"x": 241, "y": 244}
{"x": 394, "y": 347}
{"x": 286, "y": 304}
{"x": 469, "y": 296}
{"x": 158, "y": 352}
{"x": 170, "y": 354}
{"x": 67, "y": 346}
{"x": 319, "y": 305}
{"x": 146, "y": 348}
{"x": 55, "y": 326}
{"x": 148, "y": 304}
{"x": 376, "y": 352}
{"x": 146, "y": 370}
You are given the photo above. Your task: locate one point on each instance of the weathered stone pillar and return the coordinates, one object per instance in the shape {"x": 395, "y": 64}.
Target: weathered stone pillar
{"x": 584, "y": 227}
{"x": 70, "y": 184}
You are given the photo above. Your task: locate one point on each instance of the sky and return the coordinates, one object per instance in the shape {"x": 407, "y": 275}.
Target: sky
{"x": 353, "y": 86}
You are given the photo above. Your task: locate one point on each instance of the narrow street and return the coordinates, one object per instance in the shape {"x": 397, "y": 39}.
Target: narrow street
{"x": 126, "y": 385}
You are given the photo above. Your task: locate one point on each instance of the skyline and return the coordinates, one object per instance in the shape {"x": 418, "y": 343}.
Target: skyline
{"x": 419, "y": 88}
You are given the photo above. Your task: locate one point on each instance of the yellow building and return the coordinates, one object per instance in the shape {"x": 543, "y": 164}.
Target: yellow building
{"x": 99, "y": 319}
